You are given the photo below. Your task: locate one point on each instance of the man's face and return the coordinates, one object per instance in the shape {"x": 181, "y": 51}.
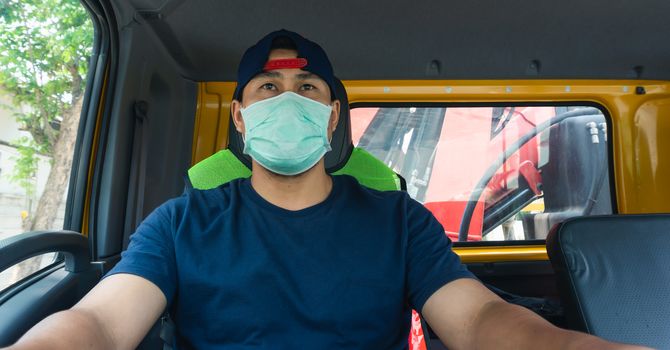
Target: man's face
{"x": 275, "y": 82}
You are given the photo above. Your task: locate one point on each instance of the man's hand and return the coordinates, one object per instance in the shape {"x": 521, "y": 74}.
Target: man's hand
{"x": 116, "y": 314}
{"x": 466, "y": 315}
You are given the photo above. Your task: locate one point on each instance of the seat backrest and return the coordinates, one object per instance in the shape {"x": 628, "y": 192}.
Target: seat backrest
{"x": 224, "y": 166}
{"x": 614, "y": 276}
{"x": 344, "y": 159}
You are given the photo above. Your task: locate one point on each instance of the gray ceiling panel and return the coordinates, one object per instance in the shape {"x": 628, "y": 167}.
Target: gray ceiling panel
{"x": 477, "y": 39}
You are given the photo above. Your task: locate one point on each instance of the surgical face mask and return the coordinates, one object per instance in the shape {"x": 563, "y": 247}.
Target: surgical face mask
{"x": 286, "y": 134}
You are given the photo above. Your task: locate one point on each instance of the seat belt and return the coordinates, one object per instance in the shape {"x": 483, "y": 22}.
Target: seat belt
{"x": 135, "y": 201}
{"x": 167, "y": 333}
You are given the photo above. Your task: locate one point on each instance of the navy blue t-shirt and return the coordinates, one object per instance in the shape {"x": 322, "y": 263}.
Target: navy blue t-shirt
{"x": 241, "y": 273}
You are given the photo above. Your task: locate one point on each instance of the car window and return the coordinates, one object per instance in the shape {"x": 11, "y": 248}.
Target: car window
{"x": 46, "y": 45}
{"x": 510, "y": 171}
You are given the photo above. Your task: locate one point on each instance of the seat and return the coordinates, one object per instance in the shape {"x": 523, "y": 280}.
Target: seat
{"x": 614, "y": 277}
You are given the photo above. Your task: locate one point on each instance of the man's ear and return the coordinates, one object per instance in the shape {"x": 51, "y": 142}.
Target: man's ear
{"x": 334, "y": 116}
{"x": 236, "y": 114}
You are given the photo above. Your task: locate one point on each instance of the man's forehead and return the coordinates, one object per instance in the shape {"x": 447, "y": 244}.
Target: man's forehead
{"x": 287, "y": 73}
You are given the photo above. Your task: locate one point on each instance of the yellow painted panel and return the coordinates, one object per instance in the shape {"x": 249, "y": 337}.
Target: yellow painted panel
{"x": 598, "y": 91}
{"x": 501, "y": 253}
{"x": 94, "y": 152}
{"x": 645, "y": 168}
{"x": 225, "y": 91}
{"x": 211, "y": 125}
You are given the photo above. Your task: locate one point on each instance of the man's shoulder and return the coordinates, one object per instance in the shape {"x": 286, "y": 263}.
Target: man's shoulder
{"x": 194, "y": 201}
{"x": 397, "y": 201}
{"x": 361, "y": 193}
{"x": 224, "y": 190}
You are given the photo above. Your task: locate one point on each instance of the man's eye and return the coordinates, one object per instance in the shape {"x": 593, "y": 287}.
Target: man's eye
{"x": 268, "y": 86}
{"x": 307, "y": 87}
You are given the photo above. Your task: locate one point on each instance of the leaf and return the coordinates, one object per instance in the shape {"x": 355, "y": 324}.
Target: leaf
{"x": 39, "y": 39}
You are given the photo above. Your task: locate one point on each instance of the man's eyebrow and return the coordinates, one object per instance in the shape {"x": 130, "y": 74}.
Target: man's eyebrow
{"x": 270, "y": 74}
{"x": 306, "y": 75}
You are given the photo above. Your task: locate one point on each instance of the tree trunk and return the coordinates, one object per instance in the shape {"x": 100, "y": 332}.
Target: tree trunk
{"x": 57, "y": 183}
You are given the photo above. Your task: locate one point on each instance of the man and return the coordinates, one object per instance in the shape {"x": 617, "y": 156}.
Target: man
{"x": 292, "y": 257}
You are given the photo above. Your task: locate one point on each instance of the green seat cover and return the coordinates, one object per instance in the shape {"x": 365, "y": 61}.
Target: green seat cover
{"x": 370, "y": 171}
{"x": 223, "y": 167}
{"x": 216, "y": 170}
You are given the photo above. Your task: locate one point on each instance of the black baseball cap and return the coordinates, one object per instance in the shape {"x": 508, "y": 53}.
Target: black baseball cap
{"x": 311, "y": 58}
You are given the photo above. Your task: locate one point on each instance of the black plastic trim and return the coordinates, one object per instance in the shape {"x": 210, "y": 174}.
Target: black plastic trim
{"x": 73, "y": 245}
{"x": 106, "y": 13}
{"x": 500, "y": 243}
{"x": 29, "y": 280}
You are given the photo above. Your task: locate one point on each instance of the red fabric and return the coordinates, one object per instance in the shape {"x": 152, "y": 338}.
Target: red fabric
{"x": 285, "y": 63}
{"x": 416, "y": 340}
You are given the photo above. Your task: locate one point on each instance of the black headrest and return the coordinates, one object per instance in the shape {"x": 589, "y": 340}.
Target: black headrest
{"x": 613, "y": 276}
{"x": 341, "y": 143}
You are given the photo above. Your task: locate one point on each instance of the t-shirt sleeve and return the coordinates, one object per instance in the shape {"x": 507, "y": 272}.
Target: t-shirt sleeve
{"x": 151, "y": 253}
{"x": 431, "y": 263}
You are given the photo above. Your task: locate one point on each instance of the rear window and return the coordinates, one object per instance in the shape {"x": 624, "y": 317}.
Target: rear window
{"x": 503, "y": 173}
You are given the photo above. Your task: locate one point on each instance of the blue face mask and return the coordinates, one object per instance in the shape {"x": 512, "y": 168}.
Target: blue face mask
{"x": 286, "y": 134}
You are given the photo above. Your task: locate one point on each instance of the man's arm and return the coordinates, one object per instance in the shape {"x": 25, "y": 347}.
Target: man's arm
{"x": 466, "y": 315}
{"x": 116, "y": 314}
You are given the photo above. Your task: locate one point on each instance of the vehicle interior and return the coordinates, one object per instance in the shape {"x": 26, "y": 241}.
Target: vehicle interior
{"x": 567, "y": 103}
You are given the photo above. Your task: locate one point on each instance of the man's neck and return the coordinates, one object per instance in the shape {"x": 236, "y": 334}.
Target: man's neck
{"x": 292, "y": 192}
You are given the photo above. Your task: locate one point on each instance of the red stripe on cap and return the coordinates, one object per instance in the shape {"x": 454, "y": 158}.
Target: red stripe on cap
{"x": 285, "y": 63}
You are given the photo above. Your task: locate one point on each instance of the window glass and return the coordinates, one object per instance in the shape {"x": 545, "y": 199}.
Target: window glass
{"x": 46, "y": 46}
{"x": 507, "y": 172}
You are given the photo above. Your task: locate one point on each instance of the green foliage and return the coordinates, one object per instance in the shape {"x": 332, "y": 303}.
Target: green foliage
{"x": 26, "y": 166}
{"x": 45, "y": 46}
